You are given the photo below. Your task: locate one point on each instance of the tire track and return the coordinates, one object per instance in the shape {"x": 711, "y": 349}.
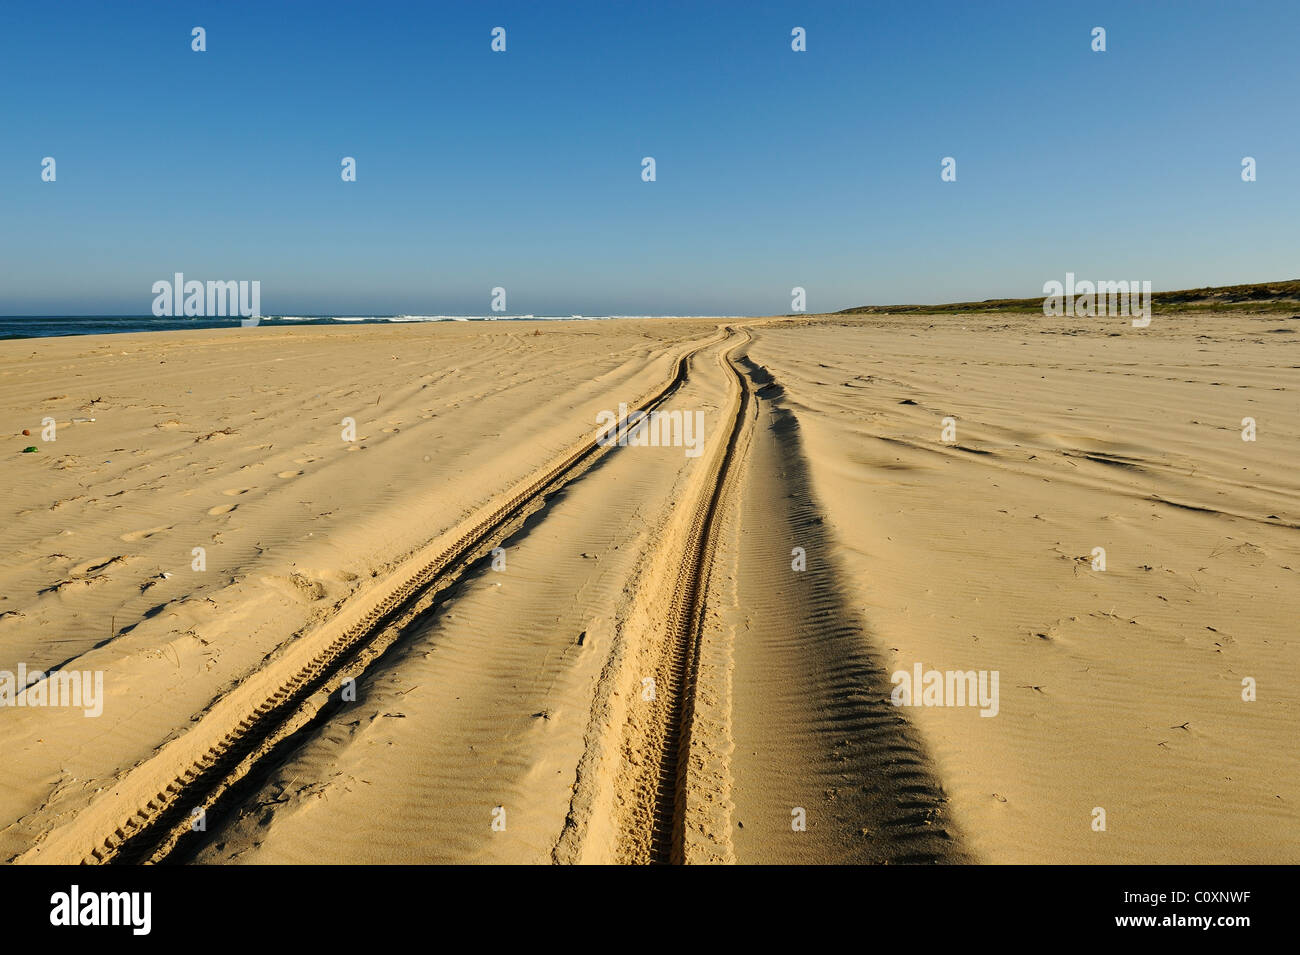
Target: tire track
{"x": 494, "y": 691}
{"x": 685, "y": 616}
{"x": 247, "y": 724}
{"x": 862, "y": 761}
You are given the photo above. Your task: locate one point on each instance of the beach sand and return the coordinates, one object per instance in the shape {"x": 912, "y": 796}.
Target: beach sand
{"x": 376, "y": 594}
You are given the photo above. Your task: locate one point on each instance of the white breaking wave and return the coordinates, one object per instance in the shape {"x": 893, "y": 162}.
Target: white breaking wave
{"x": 463, "y": 318}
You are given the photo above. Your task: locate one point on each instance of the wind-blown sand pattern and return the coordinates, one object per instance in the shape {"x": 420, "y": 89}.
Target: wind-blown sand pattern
{"x": 360, "y": 673}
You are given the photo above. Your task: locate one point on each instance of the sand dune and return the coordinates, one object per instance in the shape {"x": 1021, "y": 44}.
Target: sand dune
{"x": 474, "y": 633}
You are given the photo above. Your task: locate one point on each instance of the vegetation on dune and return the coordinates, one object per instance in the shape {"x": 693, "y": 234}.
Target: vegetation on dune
{"x": 1262, "y": 296}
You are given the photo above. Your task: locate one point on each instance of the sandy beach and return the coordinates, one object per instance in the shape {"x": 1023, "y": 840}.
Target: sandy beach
{"x": 385, "y": 594}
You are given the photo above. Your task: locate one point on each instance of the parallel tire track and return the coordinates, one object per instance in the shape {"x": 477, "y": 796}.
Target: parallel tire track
{"x": 151, "y": 830}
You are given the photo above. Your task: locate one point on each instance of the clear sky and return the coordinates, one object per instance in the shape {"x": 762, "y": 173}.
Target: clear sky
{"x": 522, "y": 169}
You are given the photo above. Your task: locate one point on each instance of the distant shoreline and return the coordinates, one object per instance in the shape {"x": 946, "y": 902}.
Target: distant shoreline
{"x": 61, "y": 326}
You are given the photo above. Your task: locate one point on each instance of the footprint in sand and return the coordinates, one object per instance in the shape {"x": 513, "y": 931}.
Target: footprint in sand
{"x": 288, "y": 474}
{"x": 305, "y": 460}
{"x": 148, "y": 532}
{"x": 221, "y": 509}
{"x": 236, "y": 491}
{"x": 94, "y": 566}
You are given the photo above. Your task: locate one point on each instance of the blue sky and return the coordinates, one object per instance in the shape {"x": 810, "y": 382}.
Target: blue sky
{"x": 523, "y": 169}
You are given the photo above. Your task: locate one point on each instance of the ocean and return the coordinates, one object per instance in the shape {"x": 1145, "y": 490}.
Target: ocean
{"x": 47, "y": 326}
